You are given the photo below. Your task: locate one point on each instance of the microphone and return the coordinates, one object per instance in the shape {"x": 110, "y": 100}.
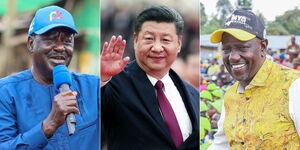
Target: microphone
{"x": 62, "y": 81}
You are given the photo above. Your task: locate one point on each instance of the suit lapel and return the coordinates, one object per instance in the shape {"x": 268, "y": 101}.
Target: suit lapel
{"x": 148, "y": 97}
{"x": 188, "y": 97}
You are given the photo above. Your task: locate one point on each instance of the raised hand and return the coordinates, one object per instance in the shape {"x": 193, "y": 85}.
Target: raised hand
{"x": 111, "y": 59}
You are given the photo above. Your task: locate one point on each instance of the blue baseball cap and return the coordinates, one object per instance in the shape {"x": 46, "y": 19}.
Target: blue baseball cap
{"x": 51, "y": 17}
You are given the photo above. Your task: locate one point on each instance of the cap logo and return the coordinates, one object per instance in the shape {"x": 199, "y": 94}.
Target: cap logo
{"x": 236, "y": 19}
{"x": 55, "y": 15}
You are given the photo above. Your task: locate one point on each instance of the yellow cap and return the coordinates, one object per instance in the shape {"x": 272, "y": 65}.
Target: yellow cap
{"x": 239, "y": 34}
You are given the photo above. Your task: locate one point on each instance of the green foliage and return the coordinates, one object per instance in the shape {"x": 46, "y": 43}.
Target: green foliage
{"x": 212, "y": 25}
{"x": 290, "y": 20}
{"x": 274, "y": 28}
{"x": 261, "y": 17}
{"x": 224, "y": 8}
{"x": 203, "y": 17}
{"x": 286, "y": 24}
{"x": 244, "y": 4}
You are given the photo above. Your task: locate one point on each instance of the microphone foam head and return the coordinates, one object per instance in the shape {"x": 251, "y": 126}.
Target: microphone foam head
{"x": 61, "y": 75}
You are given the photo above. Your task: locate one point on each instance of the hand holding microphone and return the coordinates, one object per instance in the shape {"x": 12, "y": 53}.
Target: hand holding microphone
{"x": 62, "y": 80}
{"x": 64, "y": 104}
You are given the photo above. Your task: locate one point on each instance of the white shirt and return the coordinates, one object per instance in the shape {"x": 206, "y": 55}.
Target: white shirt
{"x": 177, "y": 104}
{"x": 220, "y": 141}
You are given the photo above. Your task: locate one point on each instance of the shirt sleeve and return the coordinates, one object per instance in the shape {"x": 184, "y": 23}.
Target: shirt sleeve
{"x": 220, "y": 142}
{"x": 10, "y": 138}
{"x": 294, "y": 103}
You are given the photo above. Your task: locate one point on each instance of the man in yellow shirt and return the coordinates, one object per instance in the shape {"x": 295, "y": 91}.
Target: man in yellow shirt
{"x": 260, "y": 109}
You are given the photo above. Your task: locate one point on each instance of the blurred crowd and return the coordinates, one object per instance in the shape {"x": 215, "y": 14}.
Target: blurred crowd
{"x": 288, "y": 57}
{"x": 215, "y": 80}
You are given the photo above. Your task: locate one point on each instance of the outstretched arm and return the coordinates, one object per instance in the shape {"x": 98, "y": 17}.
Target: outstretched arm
{"x": 111, "y": 59}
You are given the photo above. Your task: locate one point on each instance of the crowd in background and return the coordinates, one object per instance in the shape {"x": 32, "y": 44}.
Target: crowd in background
{"x": 215, "y": 80}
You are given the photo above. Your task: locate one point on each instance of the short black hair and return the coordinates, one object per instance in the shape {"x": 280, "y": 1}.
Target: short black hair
{"x": 160, "y": 14}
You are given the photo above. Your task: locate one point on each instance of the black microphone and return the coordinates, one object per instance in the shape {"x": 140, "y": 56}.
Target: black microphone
{"x": 62, "y": 81}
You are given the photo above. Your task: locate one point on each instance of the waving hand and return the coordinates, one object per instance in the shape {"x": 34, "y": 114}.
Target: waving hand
{"x": 111, "y": 60}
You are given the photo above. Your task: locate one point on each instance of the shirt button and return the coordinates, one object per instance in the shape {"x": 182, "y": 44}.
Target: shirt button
{"x": 242, "y": 143}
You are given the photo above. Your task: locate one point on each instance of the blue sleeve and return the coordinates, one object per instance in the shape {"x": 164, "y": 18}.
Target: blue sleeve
{"x": 10, "y": 138}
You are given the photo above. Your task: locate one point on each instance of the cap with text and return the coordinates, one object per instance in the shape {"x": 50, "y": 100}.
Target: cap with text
{"x": 244, "y": 25}
{"x": 51, "y": 17}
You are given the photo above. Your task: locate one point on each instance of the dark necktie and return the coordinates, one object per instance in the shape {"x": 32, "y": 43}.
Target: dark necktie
{"x": 168, "y": 114}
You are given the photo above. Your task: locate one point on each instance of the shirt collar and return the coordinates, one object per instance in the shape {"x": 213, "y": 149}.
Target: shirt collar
{"x": 260, "y": 78}
{"x": 166, "y": 79}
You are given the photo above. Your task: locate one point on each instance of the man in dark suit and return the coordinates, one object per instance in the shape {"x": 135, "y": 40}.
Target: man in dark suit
{"x": 145, "y": 104}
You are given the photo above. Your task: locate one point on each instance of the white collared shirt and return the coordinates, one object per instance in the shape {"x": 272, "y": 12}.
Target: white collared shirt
{"x": 177, "y": 104}
{"x": 220, "y": 141}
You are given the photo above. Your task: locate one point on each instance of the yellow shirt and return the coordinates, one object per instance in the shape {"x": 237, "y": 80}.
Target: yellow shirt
{"x": 214, "y": 69}
{"x": 259, "y": 118}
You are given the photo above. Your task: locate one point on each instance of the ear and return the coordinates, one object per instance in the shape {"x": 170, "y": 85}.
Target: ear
{"x": 264, "y": 46}
{"x": 179, "y": 43}
{"x": 30, "y": 44}
{"x": 135, "y": 38}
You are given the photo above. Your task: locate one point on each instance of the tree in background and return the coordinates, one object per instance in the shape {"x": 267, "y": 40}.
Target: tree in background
{"x": 290, "y": 20}
{"x": 224, "y": 8}
{"x": 212, "y": 25}
{"x": 275, "y": 28}
{"x": 286, "y": 24}
{"x": 203, "y": 16}
{"x": 261, "y": 17}
{"x": 244, "y": 4}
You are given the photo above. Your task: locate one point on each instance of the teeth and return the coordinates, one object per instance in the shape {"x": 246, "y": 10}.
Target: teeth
{"x": 58, "y": 57}
{"x": 238, "y": 66}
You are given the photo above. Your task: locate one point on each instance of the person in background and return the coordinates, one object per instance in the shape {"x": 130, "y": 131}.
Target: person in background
{"x": 205, "y": 126}
{"x": 292, "y": 49}
{"x": 214, "y": 67}
{"x": 192, "y": 69}
{"x": 296, "y": 63}
{"x": 224, "y": 76}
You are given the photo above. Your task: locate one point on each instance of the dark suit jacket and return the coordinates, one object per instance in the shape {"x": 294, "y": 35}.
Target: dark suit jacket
{"x": 131, "y": 117}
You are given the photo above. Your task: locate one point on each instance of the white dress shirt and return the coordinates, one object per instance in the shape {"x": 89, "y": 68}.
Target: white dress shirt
{"x": 220, "y": 141}
{"x": 177, "y": 104}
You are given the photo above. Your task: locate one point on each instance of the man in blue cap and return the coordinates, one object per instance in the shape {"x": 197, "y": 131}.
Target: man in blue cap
{"x": 32, "y": 111}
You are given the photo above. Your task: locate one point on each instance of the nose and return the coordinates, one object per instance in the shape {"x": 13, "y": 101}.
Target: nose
{"x": 157, "y": 47}
{"x": 59, "y": 46}
{"x": 234, "y": 56}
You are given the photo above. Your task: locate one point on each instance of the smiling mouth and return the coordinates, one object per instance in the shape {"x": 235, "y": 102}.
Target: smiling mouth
{"x": 238, "y": 66}
{"x": 58, "y": 59}
{"x": 157, "y": 57}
